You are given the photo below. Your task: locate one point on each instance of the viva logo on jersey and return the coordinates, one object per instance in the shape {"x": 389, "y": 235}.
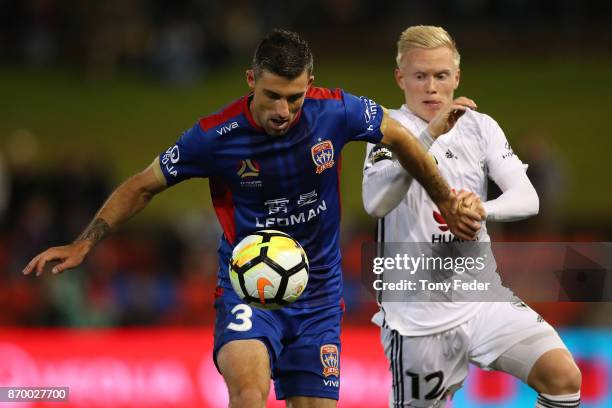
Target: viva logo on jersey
{"x": 323, "y": 155}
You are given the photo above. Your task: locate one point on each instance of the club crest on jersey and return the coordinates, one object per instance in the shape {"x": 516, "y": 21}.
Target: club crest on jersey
{"x": 330, "y": 360}
{"x": 323, "y": 155}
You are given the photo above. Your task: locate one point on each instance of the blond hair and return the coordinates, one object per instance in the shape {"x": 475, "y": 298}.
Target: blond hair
{"x": 427, "y": 37}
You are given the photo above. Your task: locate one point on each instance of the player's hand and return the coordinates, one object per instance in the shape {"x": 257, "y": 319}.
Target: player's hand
{"x": 461, "y": 220}
{"x": 449, "y": 115}
{"x": 69, "y": 256}
{"x": 474, "y": 203}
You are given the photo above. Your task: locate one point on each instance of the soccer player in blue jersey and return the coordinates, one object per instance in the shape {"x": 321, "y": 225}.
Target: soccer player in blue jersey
{"x": 272, "y": 158}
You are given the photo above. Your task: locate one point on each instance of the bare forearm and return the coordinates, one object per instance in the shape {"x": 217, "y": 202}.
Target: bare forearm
{"x": 124, "y": 203}
{"x": 422, "y": 167}
{"x": 95, "y": 231}
{"x": 385, "y": 181}
{"x": 127, "y": 200}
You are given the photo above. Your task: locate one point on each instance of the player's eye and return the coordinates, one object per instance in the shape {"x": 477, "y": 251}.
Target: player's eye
{"x": 294, "y": 98}
{"x": 442, "y": 76}
{"x": 272, "y": 95}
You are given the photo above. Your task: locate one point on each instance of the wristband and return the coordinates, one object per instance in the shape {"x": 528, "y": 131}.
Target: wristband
{"x": 426, "y": 139}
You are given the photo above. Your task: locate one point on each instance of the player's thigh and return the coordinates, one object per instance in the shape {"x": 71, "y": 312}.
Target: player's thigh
{"x": 245, "y": 364}
{"x": 247, "y": 342}
{"x": 311, "y": 402}
{"x": 425, "y": 369}
{"x": 309, "y": 364}
{"x": 514, "y": 342}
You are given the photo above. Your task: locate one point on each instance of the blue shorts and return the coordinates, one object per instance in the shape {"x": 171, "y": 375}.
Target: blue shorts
{"x": 303, "y": 343}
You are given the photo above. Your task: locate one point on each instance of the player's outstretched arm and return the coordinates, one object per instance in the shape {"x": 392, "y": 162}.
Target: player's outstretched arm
{"x": 415, "y": 160}
{"x": 386, "y": 182}
{"x": 128, "y": 199}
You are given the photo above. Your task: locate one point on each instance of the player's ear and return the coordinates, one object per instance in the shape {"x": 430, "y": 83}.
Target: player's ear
{"x": 250, "y": 78}
{"x": 457, "y": 78}
{"x": 399, "y": 78}
{"x": 310, "y": 81}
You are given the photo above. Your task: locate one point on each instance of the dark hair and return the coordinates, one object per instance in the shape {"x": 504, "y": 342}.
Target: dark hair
{"x": 282, "y": 53}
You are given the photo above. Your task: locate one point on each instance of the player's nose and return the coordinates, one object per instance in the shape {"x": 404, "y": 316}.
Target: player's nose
{"x": 282, "y": 108}
{"x": 430, "y": 85}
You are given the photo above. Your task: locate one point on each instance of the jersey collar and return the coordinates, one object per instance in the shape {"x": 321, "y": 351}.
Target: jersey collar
{"x": 405, "y": 109}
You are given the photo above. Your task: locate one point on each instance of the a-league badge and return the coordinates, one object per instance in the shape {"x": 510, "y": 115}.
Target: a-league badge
{"x": 330, "y": 360}
{"x": 323, "y": 155}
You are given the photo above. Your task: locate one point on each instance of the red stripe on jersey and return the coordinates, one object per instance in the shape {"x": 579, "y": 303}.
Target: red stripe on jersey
{"x": 338, "y": 171}
{"x": 323, "y": 93}
{"x": 230, "y": 111}
{"x": 247, "y": 113}
{"x": 223, "y": 201}
{"x": 218, "y": 292}
{"x": 241, "y": 105}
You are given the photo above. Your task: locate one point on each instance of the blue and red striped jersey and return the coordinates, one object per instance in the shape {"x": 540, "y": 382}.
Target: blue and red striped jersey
{"x": 288, "y": 183}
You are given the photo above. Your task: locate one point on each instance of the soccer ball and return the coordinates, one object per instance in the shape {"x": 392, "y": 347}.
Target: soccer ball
{"x": 268, "y": 269}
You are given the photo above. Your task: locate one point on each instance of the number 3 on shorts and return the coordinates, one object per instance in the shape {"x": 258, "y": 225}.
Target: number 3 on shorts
{"x": 243, "y": 315}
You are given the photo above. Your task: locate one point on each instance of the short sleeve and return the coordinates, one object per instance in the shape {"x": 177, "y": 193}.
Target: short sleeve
{"x": 189, "y": 157}
{"x": 364, "y": 117}
{"x": 500, "y": 157}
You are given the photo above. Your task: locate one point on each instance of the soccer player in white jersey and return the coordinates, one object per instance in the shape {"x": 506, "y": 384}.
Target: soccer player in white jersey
{"x": 429, "y": 344}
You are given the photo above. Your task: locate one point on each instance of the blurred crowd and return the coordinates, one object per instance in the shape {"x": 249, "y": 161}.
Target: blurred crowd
{"x": 141, "y": 275}
{"x": 181, "y": 40}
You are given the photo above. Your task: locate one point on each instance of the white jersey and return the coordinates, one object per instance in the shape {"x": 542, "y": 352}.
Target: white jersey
{"x": 474, "y": 150}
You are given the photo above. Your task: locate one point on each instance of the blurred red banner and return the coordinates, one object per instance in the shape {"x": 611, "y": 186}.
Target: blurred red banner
{"x": 150, "y": 368}
{"x": 158, "y": 367}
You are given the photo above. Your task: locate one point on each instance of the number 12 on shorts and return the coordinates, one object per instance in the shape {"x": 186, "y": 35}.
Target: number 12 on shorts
{"x": 435, "y": 392}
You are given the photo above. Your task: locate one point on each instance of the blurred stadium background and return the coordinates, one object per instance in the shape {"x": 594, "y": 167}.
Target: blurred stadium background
{"x": 91, "y": 92}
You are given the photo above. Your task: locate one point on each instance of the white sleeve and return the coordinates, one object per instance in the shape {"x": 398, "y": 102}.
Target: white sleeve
{"x": 519, "y": 199}
{"x": 385, "y": 181}
{"x": 500, "y": 158}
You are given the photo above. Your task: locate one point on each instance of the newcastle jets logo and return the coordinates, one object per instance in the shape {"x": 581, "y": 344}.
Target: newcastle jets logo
{"x": 323, "y": 155}
{"x": 329, "y": 359}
